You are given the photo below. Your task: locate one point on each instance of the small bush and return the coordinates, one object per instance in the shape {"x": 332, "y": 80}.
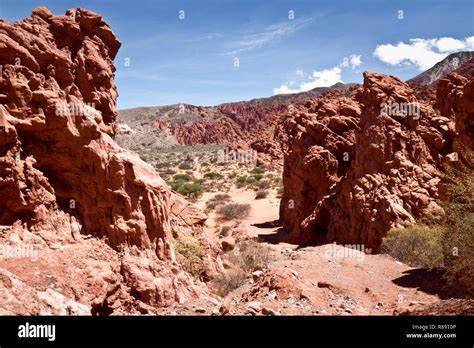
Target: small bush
{"x": 250, "y": 180}
{"x": 219, "y": 199}
{"x": 188, "y": 245}
{"x": 185, "y": 165}
{"x": 258, "y": 170}
{"x": 224, "y": 232}
{"x": 213, "y": 175}
{"x": 190, "y": 190}
{"x": 227, "y": 282}
{"x": 257, "y": 177}
{"x": 261, "y": 194}
{"x": 250, "y": 256}
{"x": 163, "y": 165}
{"x": 279, "y": 191}
{"x": 193, "y": 265}
{"x": 241, "y": 181}
{"x": 264, "y": 184}
{"x": 170, "y": 171}
{"x": 234, "y": 211}
{"x": 182, "y": 177}
{"x": 417, "y": 245}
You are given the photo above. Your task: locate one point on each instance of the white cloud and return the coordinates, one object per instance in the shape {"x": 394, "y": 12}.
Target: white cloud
{"x": 319, "y": 78}
{"x": 422, "y": 53}
{"x": 322, "y": 78}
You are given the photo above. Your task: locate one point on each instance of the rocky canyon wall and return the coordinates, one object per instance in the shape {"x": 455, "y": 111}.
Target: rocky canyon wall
{"x": 358, "y": 165}
{"x": 63, "y": 177}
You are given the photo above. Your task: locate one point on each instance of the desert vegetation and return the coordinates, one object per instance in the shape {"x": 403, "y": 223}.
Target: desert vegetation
{"x": 233, "y": 211}
{"x": 446, "y": 243}
{"x": 248, "y": 256}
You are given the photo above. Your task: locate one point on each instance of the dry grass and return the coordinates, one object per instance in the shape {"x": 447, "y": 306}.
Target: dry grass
{"x": 227, "y": 282}
{"x": 261, "y": 194}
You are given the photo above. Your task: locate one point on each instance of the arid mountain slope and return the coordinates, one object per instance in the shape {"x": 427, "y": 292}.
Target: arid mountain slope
{"x": 449, "y": 64}
{"x": 231, "y": 124}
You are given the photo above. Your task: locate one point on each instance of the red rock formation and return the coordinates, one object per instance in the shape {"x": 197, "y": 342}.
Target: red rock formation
{"x": 394, "y": 160}
{"x": 61, "y": 173}
{"x": 236, "y": 125}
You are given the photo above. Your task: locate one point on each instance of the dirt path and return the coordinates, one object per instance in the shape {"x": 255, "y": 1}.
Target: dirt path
{"x": 328, "y": 279}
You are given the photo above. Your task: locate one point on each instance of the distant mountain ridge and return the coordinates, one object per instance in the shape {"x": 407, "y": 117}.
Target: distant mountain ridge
{"x": 188, "y": 112}
{"x": 256, "y": 124}
{"x": 449, "y": 64}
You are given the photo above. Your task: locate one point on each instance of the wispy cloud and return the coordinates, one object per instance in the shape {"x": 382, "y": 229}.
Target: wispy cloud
{"x": 172, "y": 38}
{"x": 269, "y": 34}
{"x": 208, "y": 37}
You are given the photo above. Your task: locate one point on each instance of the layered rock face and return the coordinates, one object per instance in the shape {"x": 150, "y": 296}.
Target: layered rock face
{"x": 62, "y": 176}
{"x": 358, "y": 166}
{"x": 236, "y": 125}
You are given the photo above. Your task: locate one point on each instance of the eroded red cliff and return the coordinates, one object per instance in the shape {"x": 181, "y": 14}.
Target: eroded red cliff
{"x": 63, "y": 177}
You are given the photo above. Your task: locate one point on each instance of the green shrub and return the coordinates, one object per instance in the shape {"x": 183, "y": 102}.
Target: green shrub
{"x": 188, "y": 245}
{"x": 241, "y": 181}
{"x": 417, "y": 245}
{"x": 449, "y": 242}
{"x": 233, "y": 211}
{"x": 257, "y": 177}
{"x": 175, "y": 185}
{"x": 258, "y": 170}
{"x": 190, "y": 253}
{"x": 219, "y": 199}
{"x": 458, "y": 241}
{"x": 190, "y": 190}
{"x": 182, "y": 177}
{"x": 213, "y": 175}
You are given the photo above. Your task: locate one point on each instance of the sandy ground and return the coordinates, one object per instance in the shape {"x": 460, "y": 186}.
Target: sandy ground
{"x": 336, "y": 280}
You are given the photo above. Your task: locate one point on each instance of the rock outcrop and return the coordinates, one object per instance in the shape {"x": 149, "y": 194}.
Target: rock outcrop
{"x": 62, "y": 176}
{"x": 358, "y": 166}
{"x": 256, "y": 125}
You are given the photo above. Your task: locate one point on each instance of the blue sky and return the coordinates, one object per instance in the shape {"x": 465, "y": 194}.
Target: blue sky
{"x": 193, "y": 60}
